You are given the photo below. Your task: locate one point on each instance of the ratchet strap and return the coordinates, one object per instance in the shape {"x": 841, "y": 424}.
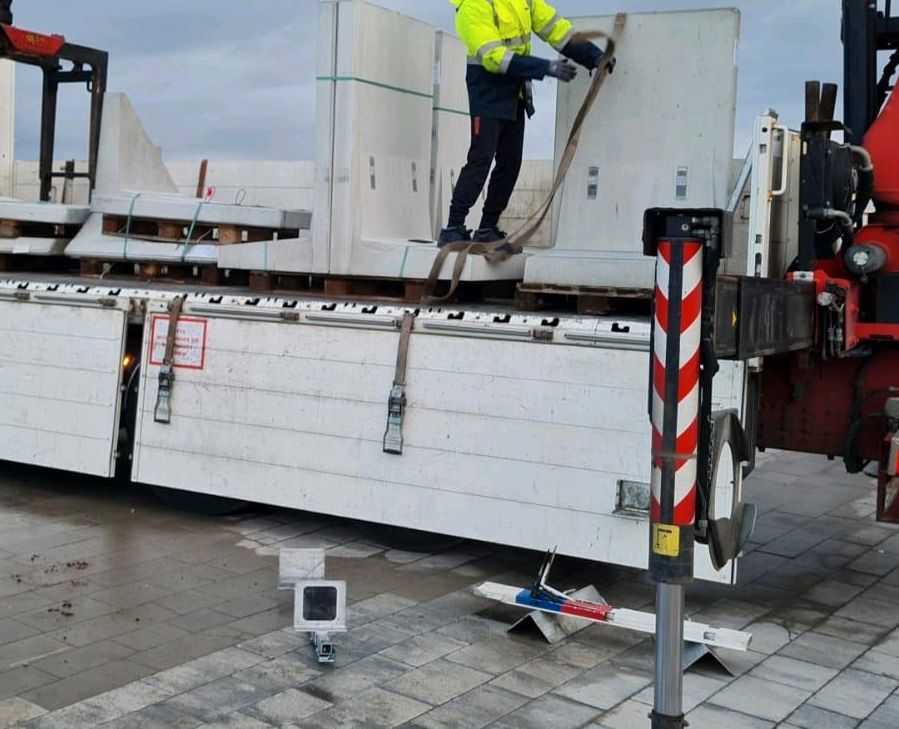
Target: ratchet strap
{"x": 502, "y": 250}
{"x": 162, "y": 413}
{"x": 396, "y": 405}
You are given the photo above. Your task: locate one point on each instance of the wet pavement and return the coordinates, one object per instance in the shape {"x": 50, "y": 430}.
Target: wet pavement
{"x": 119, "y": 611}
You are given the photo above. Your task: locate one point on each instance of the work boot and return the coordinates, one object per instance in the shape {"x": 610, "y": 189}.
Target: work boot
{"x": 492, "y": 235}
{"x": 453, "y": 234}
{"x": 488, "y": 235}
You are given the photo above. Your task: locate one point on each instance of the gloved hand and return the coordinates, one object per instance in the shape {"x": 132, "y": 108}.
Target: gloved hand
{"x": 563, "y": 70}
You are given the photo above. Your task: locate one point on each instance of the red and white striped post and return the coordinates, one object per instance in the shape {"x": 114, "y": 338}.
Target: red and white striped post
{"x": 678, "y": 239}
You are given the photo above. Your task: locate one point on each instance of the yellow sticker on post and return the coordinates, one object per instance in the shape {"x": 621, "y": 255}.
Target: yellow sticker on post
{"x": 666, "y": 540}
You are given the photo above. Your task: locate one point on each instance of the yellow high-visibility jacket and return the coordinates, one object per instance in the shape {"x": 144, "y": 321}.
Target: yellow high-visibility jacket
{"x": 495, "y": 32}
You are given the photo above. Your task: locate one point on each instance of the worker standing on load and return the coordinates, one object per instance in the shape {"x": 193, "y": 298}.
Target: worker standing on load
{"x": 500, "y": 71}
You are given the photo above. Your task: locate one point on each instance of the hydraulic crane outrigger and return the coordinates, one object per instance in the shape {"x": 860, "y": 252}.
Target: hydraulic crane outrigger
{"x": 830, "y": 383}
{"x": 50, "y": 53}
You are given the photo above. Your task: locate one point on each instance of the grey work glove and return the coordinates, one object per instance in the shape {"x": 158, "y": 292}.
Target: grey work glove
{"x": 563, "y": 70}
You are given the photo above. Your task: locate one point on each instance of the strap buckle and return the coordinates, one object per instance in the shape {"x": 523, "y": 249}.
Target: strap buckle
{"x": 396, "y": 411}
{"x": 162, "y": 413}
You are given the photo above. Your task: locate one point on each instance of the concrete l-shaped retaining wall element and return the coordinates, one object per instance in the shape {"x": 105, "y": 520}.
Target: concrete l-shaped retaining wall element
{"x": 376, "y": 144}
{"x": 128, "y": 159}
{"x": 133, "y": 183}
{"x": 661, "y": 135}
{"x": 392, "y": 137}
{"x": 7, "y": 126}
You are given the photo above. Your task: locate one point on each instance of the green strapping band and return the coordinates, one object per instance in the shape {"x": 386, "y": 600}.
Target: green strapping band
{"x": 378, "y": 84}
{"x": 403, "y": 264}
{"x": 128, "y": 225}
{"x": 451, "y": 111}
{"x": 190, "y": 231}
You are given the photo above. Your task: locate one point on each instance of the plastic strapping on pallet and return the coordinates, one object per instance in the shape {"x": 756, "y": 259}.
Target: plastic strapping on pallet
{"x": 128, "y": 224}
{"x": 190, "y": 231}
{"x": 502, "y": 250}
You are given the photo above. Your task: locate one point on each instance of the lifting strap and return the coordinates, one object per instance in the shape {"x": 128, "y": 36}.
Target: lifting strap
{"x": 396, "y": 405}
{"x": 162, "y": 413}
{"x": 502, "y": 250}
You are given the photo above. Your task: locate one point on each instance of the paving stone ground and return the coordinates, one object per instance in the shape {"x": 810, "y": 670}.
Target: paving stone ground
{"x": 119, "y": 611}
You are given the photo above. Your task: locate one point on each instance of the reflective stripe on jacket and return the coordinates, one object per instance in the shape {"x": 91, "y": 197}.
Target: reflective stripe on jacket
{"x": 494, "y": 31}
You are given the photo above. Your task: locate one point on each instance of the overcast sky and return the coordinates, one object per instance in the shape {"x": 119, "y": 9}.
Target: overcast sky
{"x": 234, "y": 79}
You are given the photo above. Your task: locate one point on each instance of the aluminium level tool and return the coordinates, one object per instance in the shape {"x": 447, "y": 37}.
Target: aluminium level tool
{"x": 547, "y": 599}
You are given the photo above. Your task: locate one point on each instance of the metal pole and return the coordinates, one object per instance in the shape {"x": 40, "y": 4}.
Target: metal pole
{"x": 674, "y": 409}
{"x": 669, "y": 654}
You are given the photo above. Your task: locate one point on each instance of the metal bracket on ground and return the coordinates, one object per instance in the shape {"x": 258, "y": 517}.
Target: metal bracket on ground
{"x": 700, "y": 639}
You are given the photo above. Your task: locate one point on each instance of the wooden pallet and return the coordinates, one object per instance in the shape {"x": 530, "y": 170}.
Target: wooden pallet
{"x": 26, "y": 229}
{"x": 209, "y": 275}
{"x": 175, "y": 231}
{"x": 406, "y": 291}
{"x": 583, "y": 299}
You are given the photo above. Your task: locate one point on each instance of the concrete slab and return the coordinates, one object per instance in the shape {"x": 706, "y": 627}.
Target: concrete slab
{"x": 159, "y": 206}
{"x": 92, "y": 243}
{"x": 46, "y": 213}
{"x": 292, "y": 255}
{"x": 34, "y": 246}
{"x": 639, "y": 148}
{"x": 51, "y": 213}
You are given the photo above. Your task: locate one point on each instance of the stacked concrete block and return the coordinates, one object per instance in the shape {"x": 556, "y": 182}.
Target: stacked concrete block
{"x": 7, "y": 126}
{"x": 137, "y": 213}
{"x": 660, "y": 135}
{"x": 38, "y": 229}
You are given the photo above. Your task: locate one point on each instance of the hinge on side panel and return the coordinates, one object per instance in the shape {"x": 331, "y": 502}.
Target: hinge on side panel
{"x": 162, "y": 413}
{"x": 396, "y": 403}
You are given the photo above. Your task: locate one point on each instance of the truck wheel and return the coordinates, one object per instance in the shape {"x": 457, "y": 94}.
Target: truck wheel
{"x": 731, "y": 522}
{"x": 198, "y": 503}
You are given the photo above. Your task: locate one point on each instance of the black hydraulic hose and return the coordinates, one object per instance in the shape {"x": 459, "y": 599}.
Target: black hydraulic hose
{"x": 883, "y": 86}
{"x": 865, "y": 181}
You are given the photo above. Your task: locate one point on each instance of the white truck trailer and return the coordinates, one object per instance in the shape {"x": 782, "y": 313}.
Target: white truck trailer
{"x": 527, "y": 429}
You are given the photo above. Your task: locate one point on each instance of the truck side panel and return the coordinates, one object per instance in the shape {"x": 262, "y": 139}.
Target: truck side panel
{"x": 516, "y": 442}
{"x": 60, "y": 375}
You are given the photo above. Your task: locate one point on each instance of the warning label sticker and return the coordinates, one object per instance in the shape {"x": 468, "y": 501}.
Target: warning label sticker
{"x": 666, "y": 540}
{"x": 190, "y": 342}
